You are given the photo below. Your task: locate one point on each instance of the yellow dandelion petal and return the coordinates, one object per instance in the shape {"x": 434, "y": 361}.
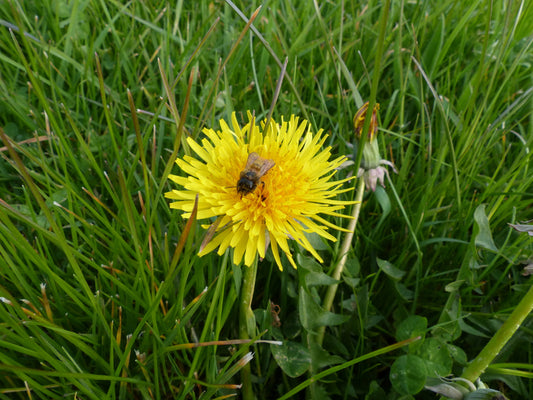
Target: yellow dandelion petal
{"x": 225, "y": 241}
{"x": 213, "y": 244}
{"x": 285, "y": 201}
{"x": 239, "y": 249}
{"x": 238, "y": 236}
{"x": 275, "y": 253}
{"x": 261, "y": 243}
{"x": 251, "y": 250}
{"x": 202, "y": 152}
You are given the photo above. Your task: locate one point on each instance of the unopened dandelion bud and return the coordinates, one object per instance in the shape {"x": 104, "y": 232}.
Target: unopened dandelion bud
{"x": 371, "y": 169}
{"x": 359, "y": 121}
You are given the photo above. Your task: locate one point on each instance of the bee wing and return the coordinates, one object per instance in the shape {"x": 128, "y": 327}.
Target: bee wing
{"x": 258, "y": 164}
{"x": 252, "y": 158}
{"x": 266, "y": 164}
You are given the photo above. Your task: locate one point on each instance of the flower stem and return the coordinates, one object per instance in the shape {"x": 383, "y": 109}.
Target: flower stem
{"x": 473, "y": 371}
{"x": 247, "y": 324}
{"x": 345, "y": 248}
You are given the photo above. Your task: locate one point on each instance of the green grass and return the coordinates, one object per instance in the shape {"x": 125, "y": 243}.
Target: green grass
{"x": 95, "y": 298}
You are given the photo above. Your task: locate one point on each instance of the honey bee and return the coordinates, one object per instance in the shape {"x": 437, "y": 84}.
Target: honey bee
{"x": 256, "y": 168}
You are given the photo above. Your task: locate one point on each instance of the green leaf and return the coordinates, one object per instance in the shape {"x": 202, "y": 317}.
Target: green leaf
{"x": 450, "y": 390}
{"x": 408, "y": 374}
{"x": 454, "y": 286}
{"x": 308, "y": 264}
{"x": 411, "y": 327}
{"x": 352, "y": 267}
{"x": 313, "y": 274}
{"x": 402, "y": 290}
{"x": 293, "y": 358}
{"x": 319, "y": 279}
{"x": 316, "y": 241}
{"x": 321, "y": 358}
{"x": 59, "y": 196}
{"x": 458, "y": 354}
{"x": 384, "y": 201}
{"x": 375, "y": 392}
{"x": 437, "y": 357}
{"x": 390, "y": 270}
{"x": 485, "y": 394}
{"x": 523, "y": 228}
{"x": 351, "y": 272}
{"x": 449, "y": 328}
{"x": 484, "y": 236}
{"x": 313, "y": 316}
{"x": 471, "y": 330}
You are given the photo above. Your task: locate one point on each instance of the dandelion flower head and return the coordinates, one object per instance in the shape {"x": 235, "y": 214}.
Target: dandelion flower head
{"x": 287, "y": 203}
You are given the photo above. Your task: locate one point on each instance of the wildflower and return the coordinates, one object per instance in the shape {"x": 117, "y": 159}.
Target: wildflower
{"x": 371, "y": 166}
{"x": 285, "y": 203}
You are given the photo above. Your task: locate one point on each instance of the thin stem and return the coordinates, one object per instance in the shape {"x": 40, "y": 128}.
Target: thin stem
{"x": 473, "y": 371}
{"x": 247, "y": 324}
{"x": 345, "y": 248}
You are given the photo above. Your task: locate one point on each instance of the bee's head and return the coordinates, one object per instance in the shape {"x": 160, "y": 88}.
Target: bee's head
{"x": 246, "y": 184}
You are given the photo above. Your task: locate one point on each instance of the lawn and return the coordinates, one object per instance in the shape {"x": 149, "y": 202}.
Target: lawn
{"x": 379, "y": 250}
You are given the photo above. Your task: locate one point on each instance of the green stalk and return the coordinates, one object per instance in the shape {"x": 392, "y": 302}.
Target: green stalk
{"x": 247, "y": 324}
{"x": 345, "y": 248}
{"x": 337, "y": 273}
{"x": 474, "y": 370}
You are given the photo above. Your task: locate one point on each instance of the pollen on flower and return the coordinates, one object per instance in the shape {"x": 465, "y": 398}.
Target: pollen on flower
{"x": 289, "y": 188}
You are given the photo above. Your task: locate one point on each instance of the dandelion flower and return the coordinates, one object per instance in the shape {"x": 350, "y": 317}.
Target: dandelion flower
{"x": 287, "y": 202}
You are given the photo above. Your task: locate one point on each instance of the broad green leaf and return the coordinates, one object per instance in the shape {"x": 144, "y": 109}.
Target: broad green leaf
{"x": 316, "y": 241}
{"x": 313, "y": 274}
{"x": 308, "y": 264}
{"x": 321, "y": 358}
{"x": 352, "y": 282}
{"x": 437, "y": 357}
{"x": 317, "y": 279}
{"x": 471, "y": 330}
{"x": 375, "y": 392}
{"x": 454, "y": 286}
{"x": 313, "y": 316}
{"x": 402, "y": 290}
{"x": 523, "y": 228}
{"x": 411, "y": 327}
{"x": 384, "y": 201}
{"x": 352, "y": 267}
{"x": 451, "y": 390}
{"x": 390, "y": 270}
{"x": 449, "y": 328}
{"x": 350, "y": 304}
{"x": 458, "y": 354}
{"x": 485, "y": 394}
{"x": 408, "y": 374}
{"x": 293, "y": 358}
{"x": 484, "y": 236}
